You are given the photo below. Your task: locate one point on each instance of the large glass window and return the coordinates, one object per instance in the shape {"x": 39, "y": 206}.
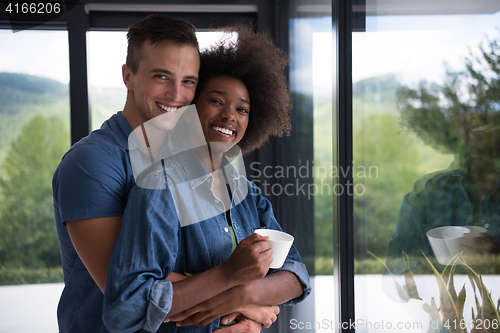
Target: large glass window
{"x": 309, "y": 189}
{"x": 106, "y": 53}
{"x": 426, "y": 108}
{"x": 34, "y": 134}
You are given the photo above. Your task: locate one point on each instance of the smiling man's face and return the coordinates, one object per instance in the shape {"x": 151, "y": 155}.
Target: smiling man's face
{"x": 165, "y": 81}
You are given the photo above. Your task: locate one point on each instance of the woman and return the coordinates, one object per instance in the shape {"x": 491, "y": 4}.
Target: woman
{"x": 200, "y": 216}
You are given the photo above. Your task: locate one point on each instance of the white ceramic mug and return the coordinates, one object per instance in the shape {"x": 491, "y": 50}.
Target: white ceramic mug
{"x": 281, "y": 242}
{"x": 446, "y": 242}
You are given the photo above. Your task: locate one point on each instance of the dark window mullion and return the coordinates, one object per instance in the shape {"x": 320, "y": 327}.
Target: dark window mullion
{"x": 79, "y": 95}
{"x": 342, "y": 107}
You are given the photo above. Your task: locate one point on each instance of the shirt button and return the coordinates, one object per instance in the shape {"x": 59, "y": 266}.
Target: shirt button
{"x": 216, "y": 201}
{"x": 226, "y": 229}
{"x": 486, "y": 225}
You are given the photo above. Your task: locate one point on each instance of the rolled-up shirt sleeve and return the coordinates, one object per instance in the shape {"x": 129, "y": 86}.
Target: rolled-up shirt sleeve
{"x": 299, "y": 269}
{"x": 160, "y": 303}
{"x": 137, "y": 294}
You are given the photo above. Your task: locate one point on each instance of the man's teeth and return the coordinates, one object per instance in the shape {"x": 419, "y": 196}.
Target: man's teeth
{"x": 223, "y": 130}
{"x": 166, "y": 108}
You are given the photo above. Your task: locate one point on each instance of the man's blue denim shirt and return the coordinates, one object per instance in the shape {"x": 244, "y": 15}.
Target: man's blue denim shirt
{"x": 152, "y": 243}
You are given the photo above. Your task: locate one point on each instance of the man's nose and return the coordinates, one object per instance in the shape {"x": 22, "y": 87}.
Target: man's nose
{"x": 174, "y": 92}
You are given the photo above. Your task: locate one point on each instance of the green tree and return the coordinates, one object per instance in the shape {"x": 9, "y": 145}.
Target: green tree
{"x": 27, "y": 228}
{"x": 386, "y": 164}
{"x": 442, "y": 116}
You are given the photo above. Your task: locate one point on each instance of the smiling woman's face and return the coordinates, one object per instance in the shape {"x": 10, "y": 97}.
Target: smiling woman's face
{"x": 224, "y": 110}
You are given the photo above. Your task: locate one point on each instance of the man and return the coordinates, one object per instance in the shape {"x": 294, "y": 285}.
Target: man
{"x": 92, "y": 183}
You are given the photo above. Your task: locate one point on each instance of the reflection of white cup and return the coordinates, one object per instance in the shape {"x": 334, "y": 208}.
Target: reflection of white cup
{"x": 446, "y": 242}
{"x": 281, "y": 242}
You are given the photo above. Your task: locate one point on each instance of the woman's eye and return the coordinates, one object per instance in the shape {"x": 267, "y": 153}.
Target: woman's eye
{"x": 216, "y": 101}
{"x": 243, "y": 110}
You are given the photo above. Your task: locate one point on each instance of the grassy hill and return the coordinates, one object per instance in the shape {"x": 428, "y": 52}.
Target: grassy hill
{"x": 16, "y": 88}
{"x": 21, "y": 97}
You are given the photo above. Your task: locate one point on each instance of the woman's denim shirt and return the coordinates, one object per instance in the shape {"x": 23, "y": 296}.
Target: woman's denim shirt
{"x": 153, "y": 242}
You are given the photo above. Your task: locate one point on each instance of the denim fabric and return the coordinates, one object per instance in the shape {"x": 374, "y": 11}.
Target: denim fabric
{"x": 93, "y": 180}
{"x": 437, "y": 200}
{"x": 152, "y": 243}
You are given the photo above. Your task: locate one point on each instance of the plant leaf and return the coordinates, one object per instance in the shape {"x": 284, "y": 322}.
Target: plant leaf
{"x": 488, "y": 310}
{"x": 434, "y": 312}
{"x": 403, "y": 294}
{"x": 447, "y": 305}
{"x": 410, "y": 285}
{"x": 461, "y": 301}
{"x": 451, "y": 288}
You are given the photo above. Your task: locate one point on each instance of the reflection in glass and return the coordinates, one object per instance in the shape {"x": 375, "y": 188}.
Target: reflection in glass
{"x": 460, "y": 117}
{"x": 427, "y": 116}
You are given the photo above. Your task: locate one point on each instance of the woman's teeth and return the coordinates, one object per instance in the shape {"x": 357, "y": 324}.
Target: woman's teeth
{"x": 223, "y": 130}
{"x": 166, "y": 108}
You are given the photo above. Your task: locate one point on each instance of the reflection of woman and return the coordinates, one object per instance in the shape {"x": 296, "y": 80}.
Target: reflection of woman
{"x": 465, "y": 194}
{"x": 242, "y": 98}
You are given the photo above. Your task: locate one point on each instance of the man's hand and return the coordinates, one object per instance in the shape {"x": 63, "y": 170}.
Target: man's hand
{"x": 250, "y": 260}
{"x": 264, "y": 314}
{"x": 202, "y": 314}
{"x": 484, "y": 244}
{"x": 232, "y": 301}
{"x": 244, "y": 325}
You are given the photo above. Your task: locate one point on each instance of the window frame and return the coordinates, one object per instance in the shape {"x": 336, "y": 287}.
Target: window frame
{"x": 266, "y": 16}
{"x": 342, "y": 111}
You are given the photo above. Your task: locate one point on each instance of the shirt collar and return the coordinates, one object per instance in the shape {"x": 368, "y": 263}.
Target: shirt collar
{"x": 196, "y": 171}
{"x": 124, "y": 128}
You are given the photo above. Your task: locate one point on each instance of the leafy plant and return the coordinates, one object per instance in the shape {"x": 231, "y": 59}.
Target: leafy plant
{"x": 448, "y": 317}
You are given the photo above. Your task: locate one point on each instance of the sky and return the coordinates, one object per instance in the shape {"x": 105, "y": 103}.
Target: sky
{"x": 107, "y": 52}
{"x": 413, "y": 47}
{"x": 33, "y": 52}
{"x": 417, "y": 47}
